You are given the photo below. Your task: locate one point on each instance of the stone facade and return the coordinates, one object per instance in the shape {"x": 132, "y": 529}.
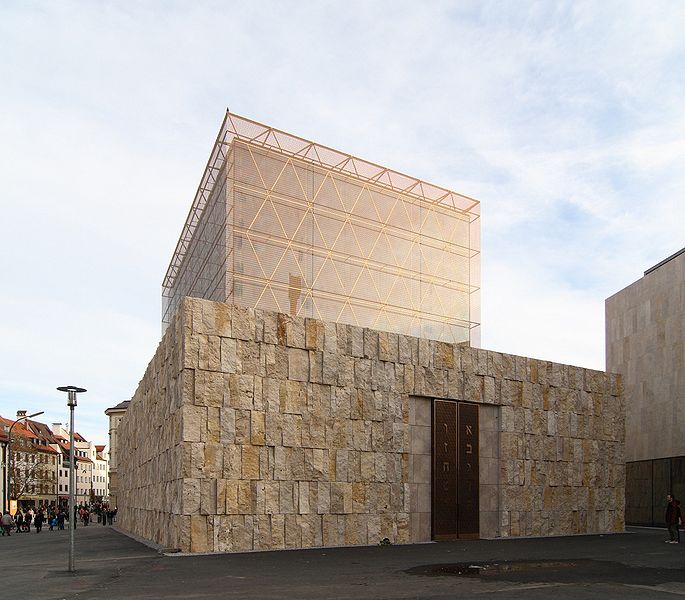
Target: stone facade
{"x": 254, "y": 430}
{"x": 645, "y": 339}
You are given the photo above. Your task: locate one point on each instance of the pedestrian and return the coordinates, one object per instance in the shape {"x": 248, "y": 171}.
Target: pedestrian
{"x": 19, "y": 520}
{"x": 672, "y": 518}
{"x": 28, "y": 517}
{"x": 7, "y": 523}
{"x": 38, "y": 521}
{"x": 60, "y": 520}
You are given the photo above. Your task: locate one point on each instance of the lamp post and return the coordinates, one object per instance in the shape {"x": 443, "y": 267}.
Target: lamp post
{"x": 9, "y": 458}
{"x": 71, "y": 390}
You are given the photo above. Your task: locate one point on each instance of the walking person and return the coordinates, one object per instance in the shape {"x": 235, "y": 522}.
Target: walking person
{"x": 60, "y": 519}
{"x": 672, "y": 518}
{"x": 38, "y": 520}
{"x": 7, "y": 523}
{"x": 28, "y": 517}
{"x": 19, "y": 520}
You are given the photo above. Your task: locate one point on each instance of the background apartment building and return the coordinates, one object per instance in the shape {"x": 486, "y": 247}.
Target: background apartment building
{"x": 37, "y": 465}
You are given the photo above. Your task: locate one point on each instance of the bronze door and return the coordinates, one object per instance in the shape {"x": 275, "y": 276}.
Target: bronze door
{"x": 467, "y": 495}
{"x": 455, "y": 470}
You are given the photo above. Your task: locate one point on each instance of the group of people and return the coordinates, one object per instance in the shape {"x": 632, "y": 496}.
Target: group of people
{"x": 22, "y": 520}
{"x": 103, "y": 512}
{"x": 674, "y": 519}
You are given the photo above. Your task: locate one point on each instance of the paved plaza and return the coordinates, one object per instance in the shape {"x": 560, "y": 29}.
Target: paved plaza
{"x": 109, "y": 565}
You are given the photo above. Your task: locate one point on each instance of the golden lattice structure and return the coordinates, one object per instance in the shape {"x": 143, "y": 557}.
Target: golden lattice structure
{"x": 285, "y": 224}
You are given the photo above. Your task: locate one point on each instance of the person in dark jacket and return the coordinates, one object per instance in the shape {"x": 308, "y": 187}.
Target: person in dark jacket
{"x": 38, "y": 520}
{"x": 673, "y": 518}
{"x": 19, "y": 518}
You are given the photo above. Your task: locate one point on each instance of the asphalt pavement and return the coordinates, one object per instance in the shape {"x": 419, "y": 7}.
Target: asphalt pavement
{"x": 637, "y": 564}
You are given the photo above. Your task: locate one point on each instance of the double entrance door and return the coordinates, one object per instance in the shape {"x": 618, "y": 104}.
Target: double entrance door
{"x": 455, "y": 470}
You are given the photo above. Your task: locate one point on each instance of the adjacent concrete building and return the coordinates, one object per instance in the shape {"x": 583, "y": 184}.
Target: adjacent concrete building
{"x": 645, "y": 342}
{"x": 319, "y": 382}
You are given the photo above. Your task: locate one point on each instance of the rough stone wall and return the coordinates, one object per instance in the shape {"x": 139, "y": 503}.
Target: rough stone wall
{"x": 270, "y": 431}
{"x": 150, "y": 455}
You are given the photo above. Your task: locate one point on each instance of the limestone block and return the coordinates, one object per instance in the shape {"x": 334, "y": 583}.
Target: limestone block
{"x": 273, "y": 430}
{"x": 323, "y": 506}
{"x": 330, "y": 337}
{"x": 198, "y": 534}
{"x": 292, "y": 430}
{"x": 191, "y": 496}
{"x": 362, "y": 373}
{"x": 276, "y": 361}
{"x": 512, "y": 393}
{"x": 294, "y": 329}
{"x": 241, "y": 391}
{"x": 288, "y": 497}
{"x": 257, "y": 428}
{"x": 208, "y": 496}
{"x": 281, "y": 466}
{"x": 295, "y": 399}
{"x": 382, "y": 375}
{"x": 407, "y": 349}
{"x": 356, "y": 531}
{"x": 455, "y": 385}
{"x": 293, "y": 533}
{"x": 388, "y": 346}
{"x": 298, "y": 364}
{"x": 303, "y": 497}
{"x": 213, "y": 460}
{"x": 314, "y": 334}
{"x": 247, "y": 497}
{"x": 356, "y": 336}
{"x": 243, "y": 323}
{"x": 272, "y": 391}
{"x": 346, "y": 371}
{"x": 595, "y": 381}
{"x": 194, "y": 422}
{"x": 227, "y": 425}
{"x": 473, "y": 388}
{"x": 434, "y": 382}
{"x": 232, "y": 462}
{"x": 269, "y": 322}
{"x": 316, "y": 464}
{"x": 262, "y": 532}
{"x": 209, "y": 388}
{"x": 361, "y": 434}
{"x": 341, "y": 471}
{"x": 209, "y": 352}
{"x": 329, "y": 368}
{"x": 242, "y": 426}
{"x": 278, "y": 531}
{"x": 250, "y": 361}
{"x": 250, "y": 462}
{"x": 242, "y": 532}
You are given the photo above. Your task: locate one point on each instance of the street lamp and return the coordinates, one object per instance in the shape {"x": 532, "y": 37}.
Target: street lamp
{"x": 9, "y": 457}
{"x": 71, "y": 390}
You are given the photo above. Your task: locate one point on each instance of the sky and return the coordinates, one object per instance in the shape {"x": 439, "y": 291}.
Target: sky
{"x": 565, "y": 119}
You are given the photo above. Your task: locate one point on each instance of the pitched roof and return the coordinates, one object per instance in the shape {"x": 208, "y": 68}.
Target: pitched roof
{"x": 121, "y": 406}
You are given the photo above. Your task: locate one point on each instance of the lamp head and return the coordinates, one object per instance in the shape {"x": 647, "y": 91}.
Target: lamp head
{"x": 72, "y": 390}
